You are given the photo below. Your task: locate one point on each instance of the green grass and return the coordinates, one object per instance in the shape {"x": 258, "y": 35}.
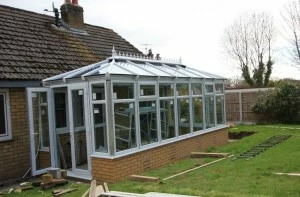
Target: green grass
{"x": 254, "y": 177}
{"x": 228, "y": 177}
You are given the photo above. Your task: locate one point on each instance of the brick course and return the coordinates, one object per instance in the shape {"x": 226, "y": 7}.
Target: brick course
{"x": 112, "y": 170}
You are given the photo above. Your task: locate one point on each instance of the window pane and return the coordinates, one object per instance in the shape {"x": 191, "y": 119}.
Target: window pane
{"x": 123, "y": 91}
{"x": 78, "y": 106}
{"x": 124, "y": 126}
{"x": 165, "y": 90}
{"x": 60, "y": 109}
{"x": 209, "y": 111}
{"x": 44, "y": 119}
{"x": 182, "y": 89}
{"x": 147, "y": 90}
{"x": 219, "y": 88}
{"x": 209, "y": 89}
{"x": 167, "y": 119}
{"x": 197, "y": 114}
{"x": 197, "y": 88}
{"x": 148, "y": 128}
{"x": 100, "y": 133}
{"x": 183, "y": 116}
{"x": 98, "y": 91}
{"x": 220, "y": 109}
{"x": 2, "y": 115}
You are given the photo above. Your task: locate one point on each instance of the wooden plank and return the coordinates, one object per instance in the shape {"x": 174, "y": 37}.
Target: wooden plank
{"x": 122, "y": 194}
{"x": 86, "y": 193}
{"x": 57, "y": 191}
{"x": 93, "y": 188}
{"x": 158, "y": 194}
{"x": 106, "y": 187}
{"x": 55, "y": 182}
{"x": 21, "y": 189}
{"x": 144, "y": 178}
{"x": 203, "y": 154}
{"x": 64, "y": 191}
{"x": 289, "y": 174}
{"x": 187, "y": 171}
{"x": 99, "y": 190}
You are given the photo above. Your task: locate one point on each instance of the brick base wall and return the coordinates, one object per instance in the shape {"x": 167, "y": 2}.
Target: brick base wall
{"x": 15, "y": 154}
{"x": 112, "y": 170}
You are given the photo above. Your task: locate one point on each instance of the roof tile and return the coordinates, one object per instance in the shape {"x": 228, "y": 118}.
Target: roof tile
{"x": 31, "y": 49}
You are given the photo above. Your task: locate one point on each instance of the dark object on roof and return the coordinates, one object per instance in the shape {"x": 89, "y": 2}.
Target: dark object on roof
{"x": 33, "y": 48}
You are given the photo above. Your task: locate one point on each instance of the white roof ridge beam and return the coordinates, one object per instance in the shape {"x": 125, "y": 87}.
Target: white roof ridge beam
{"x": 122, "y": 67}
{"x": 186, "y": 70}
{"x": 136, "y": 65}
{"x": 176, "y": 70}
{"x": 111, "y": 64}
{"x": 63, "y": 74}
{"x": 206, "y": 73}
{"x": 59, "y": 76}
{"x": 145, "y": 60}
{"x": 83, "y": 69}
{"x": 95, "y": 70}
{"x": 156, "y": 67}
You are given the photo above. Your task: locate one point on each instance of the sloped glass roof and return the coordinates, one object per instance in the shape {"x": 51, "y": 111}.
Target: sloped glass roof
{"x": 125, "y": 64}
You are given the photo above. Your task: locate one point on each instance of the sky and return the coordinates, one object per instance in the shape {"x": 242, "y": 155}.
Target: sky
{"x": 188, "y": 29}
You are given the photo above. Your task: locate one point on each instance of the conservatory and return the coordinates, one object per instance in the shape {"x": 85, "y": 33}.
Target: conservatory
{"x": 127, "y": 110}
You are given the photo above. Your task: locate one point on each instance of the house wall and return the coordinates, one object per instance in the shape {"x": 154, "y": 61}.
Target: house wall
{"x": 15, "y": 154}
{"x": 112, "y": 170}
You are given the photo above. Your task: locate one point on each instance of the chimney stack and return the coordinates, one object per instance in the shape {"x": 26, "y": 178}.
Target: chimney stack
{"x": 72, "y": 15}
{"x": 75, "y": 2}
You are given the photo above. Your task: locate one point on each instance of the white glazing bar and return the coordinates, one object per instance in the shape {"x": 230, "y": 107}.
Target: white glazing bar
{"x": 162, "y": 70}
{"x": 175, "y": 70}
{"x": 136, "y": 65}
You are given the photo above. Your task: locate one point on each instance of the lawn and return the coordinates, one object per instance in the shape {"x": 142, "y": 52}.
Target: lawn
{"x": 241, "y": 177}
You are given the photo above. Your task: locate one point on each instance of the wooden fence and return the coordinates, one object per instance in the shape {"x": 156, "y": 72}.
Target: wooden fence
{"x": 239, "y": 103}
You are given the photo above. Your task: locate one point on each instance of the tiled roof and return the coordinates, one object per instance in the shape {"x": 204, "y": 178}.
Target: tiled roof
{"x": 32, "y": 48}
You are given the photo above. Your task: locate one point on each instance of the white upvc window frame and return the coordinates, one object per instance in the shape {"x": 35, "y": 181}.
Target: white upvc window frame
{"x": 91, "y": 104}
{"x": 205, "y": 94}
{"x": 219, "y": 94}
{"x": 197, "y": 96}
{"x": 178, "y": 97}
{"x": 172, "y": 84}
{"x": 7, "y": 116}
{"x": 155, "y": 96}
{"x": 168, "y": 98}
{"x": 133, "y": 100}
{"x": 61, "y": 130}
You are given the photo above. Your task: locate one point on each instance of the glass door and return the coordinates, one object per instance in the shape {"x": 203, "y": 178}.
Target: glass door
{"x": 40, "y": 121}
{"x": 80, "y": 137}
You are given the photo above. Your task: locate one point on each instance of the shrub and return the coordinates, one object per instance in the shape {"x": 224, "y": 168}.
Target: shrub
{"x": 283, "y": 101}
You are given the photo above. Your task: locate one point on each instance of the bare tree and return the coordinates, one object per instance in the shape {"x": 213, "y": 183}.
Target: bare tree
{"x": 291, "y": 17}
{"x": 248, "y": 42}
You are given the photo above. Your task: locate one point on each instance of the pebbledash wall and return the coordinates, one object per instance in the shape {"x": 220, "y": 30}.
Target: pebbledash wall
{"x": 14, "y": 153}
{"x": 112, "y": 170}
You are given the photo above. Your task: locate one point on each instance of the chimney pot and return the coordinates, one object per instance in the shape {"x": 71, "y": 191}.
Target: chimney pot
{"x": 75, "y": 2}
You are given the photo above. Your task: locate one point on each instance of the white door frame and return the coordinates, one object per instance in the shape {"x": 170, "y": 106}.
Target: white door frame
{"x": 75, "y": 171}
{"x": 30, "y": 94}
